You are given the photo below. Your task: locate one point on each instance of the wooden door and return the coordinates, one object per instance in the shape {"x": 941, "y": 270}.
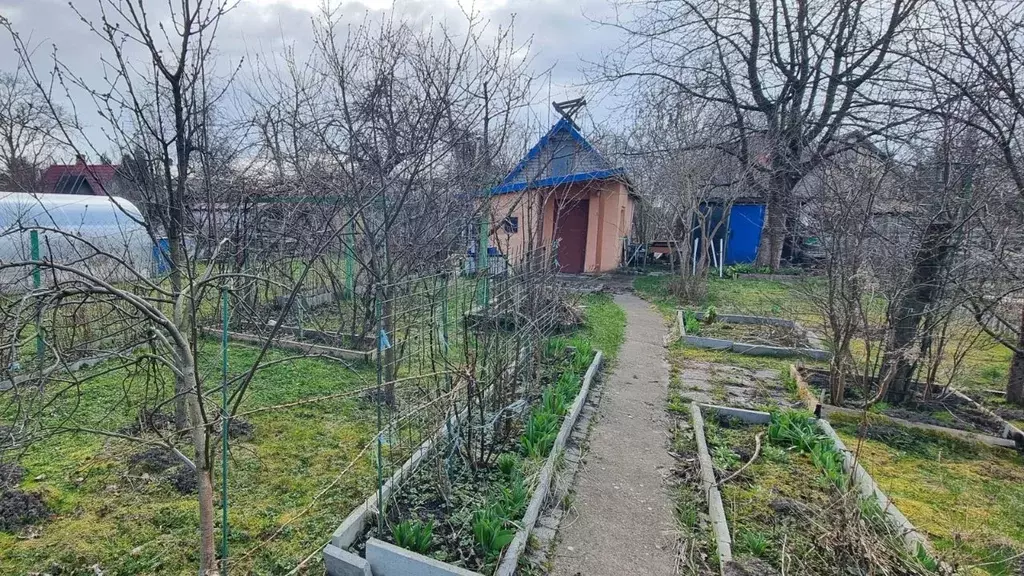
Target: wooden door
{"x": 571, "y": 233}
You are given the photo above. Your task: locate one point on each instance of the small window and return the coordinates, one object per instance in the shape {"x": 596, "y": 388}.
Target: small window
{"x": 561, "y": 160}
{"x": 510, "y": 224}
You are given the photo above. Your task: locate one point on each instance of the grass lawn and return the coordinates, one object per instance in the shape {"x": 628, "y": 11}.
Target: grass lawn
{"x": 605, "y": 324}
{"x": 125, "y": 521}
{"x": 967, "y": 498}
{"x": 734, "y": 296}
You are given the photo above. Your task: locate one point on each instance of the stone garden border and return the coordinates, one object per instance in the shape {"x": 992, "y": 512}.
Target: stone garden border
{"x": 912, "y": 539}
{"x": 383, "y": 559}
{"x": 1011, "y": 436}
{"x": 815, "y": 350}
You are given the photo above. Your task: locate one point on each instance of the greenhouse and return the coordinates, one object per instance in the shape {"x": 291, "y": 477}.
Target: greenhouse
{"x": 104, "y": 236}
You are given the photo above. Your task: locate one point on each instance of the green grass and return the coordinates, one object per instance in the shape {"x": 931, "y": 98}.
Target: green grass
{"x": 968, "y": 498}
{"x": 735, "y": 296}
{"x": 605, "y": 324}
{"x": 126, "y": 523}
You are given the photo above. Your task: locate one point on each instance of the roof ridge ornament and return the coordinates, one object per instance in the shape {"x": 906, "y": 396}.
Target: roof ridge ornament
{"x": 569, "y": 108}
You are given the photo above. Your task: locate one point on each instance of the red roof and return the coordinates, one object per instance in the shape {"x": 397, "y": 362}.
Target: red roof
{"x": 62, "y": 178}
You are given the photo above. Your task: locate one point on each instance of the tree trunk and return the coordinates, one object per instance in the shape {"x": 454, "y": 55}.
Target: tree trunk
{"x": 1015, "y": 385}
{"x": 777, "y": 205}
{"x": 207, "y": 514}
{"x": 930, "y": 261}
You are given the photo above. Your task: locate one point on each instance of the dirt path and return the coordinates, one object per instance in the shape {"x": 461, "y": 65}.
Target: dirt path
{"x": 621, "y": 520}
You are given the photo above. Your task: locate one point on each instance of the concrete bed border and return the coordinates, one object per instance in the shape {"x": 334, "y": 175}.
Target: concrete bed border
{"x": 383, "y": 559}
{"x": 294, "y": 345}
{"x": 1011, "y": 436}
{"x": 815, "y": 350}
{"x": 913, "y": 540}
{"x": 75, "y": 366}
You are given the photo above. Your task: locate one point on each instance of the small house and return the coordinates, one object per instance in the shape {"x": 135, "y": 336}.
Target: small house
{"x": 564, "y": 196}
{"x": 79, "y": 179}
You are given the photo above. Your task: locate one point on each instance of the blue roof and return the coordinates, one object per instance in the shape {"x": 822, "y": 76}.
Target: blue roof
{"x": 562, "y": 156}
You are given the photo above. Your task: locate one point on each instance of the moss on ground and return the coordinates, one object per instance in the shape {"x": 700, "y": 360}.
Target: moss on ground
{"x": 968, "y": 498}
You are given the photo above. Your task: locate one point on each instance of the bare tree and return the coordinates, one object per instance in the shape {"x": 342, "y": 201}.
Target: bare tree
{"x": 797, "y": 80}
{"x": 27, "y": 124}
{"x": 973, "y": 52}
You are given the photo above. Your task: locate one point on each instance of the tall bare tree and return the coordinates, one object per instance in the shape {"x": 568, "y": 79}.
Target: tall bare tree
{"x": 798, "y": 78}
{"x": 973, "y": 53}
{"x": 27, "y": 124}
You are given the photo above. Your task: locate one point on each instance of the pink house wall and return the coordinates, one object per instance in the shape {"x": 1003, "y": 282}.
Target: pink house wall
{"x": 610, "y": 220}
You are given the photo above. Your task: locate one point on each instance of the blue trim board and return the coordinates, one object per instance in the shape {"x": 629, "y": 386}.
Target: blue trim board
{"x": 556, "y": 180}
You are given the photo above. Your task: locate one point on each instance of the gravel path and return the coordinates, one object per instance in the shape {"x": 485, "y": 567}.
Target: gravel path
{"x": 621, "y": 521}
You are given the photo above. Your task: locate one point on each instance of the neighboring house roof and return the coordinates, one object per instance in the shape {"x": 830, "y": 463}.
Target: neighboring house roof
{"x": 562, "y": 156}
{"x": 67, "y": 178}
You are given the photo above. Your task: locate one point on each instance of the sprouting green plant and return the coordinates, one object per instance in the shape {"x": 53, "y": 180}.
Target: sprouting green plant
{"x": 552, "y": 401}
{"x": 540, "y": 433}
{"x": 490, "y": 532}
{"x": 775, "y": 454}
{"x": 753, "y": 542}
{"x": 691, "y": 324}
{"x": 555, "y": 347}
{"x": 724, "y": 458}
{"x": 584, "y": 354}
{"x": 927, "y": 561}
{"x": 688, "y": 514}
{"x": 879, "y": 407}
{"x": 710, "y": 315}
{"x": 513, "y": 498}
{"x": 413, "y": 535}
{"x": 508, "y": 463}
{"x": 568, "y": 385}
{"x": 793, "y": 428}
{"x": 827, "y": 459}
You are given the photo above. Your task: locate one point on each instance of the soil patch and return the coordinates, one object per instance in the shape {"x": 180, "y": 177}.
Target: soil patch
{"x": 154, "y": 459}
{"x": 19, "y": 509}
{"x": 148, "y": 421}
{"x": 949, "y": 412}
{"x": 183, "y": 479}
{"x": 10, "y": 475}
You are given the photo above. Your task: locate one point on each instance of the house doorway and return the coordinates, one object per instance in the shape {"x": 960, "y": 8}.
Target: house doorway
{"x": 571, "y": 232}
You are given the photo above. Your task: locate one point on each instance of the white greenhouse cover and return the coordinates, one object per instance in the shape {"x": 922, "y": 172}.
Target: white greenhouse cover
{"x": 103, "y": 236}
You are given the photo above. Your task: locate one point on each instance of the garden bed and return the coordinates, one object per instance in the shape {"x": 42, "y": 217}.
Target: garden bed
{"x": 752, "y": 335}
{"x": 780, "y": 500}
{"x": 445, "y": 513}
{"x": 952, "y": 410}
{"x": 334, "y": 345}
{"x": 966, "y": 496}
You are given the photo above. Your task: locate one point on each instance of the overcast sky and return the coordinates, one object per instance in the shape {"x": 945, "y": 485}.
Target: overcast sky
{"x": 563, "y": 33}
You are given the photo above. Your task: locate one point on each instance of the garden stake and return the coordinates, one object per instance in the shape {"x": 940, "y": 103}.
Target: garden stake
{"x": 224, "y": 421}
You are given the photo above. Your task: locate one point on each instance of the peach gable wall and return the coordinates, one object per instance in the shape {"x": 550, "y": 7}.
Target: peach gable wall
{"x": 610, "y": 207}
